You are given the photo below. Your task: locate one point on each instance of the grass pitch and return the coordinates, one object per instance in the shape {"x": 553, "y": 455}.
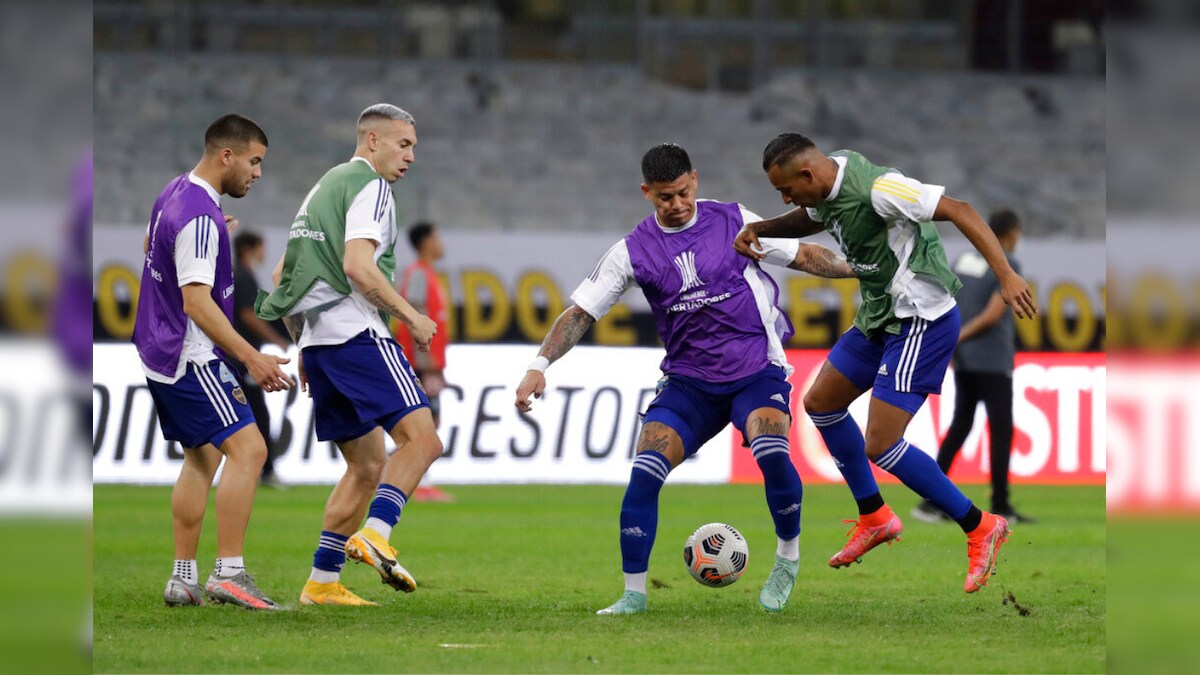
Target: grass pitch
{"x": 510, "y": 578}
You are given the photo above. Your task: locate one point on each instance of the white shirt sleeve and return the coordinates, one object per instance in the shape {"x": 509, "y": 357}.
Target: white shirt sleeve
{"x": 612, "y": 276}
{"x": 779, "y": 252}
{"x": 196, "y": 252}
{"x": 897, "y": 196}
{"x": 364, "y": 219}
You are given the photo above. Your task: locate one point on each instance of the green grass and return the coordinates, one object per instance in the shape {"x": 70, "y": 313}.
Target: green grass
{"x": 511, "y": 577}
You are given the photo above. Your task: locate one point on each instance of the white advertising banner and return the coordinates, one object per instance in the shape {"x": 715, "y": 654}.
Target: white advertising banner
{"x": 43, "y": 458}
{"x": 582, "y": 431}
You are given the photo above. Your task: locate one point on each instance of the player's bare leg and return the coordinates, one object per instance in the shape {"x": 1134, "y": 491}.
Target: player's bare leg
{"x": 245, "y": 451}
{"x": 767, "y": 433}
{"x": 347, "y": 505}
{"x": 344, "y": 511}
{"x": 827, "y": 403}
{"x": 417, "y": 447}
{"x": 986, "y": 532}
{"x": 188, "y": 502}
{"x": 659, "y": 449}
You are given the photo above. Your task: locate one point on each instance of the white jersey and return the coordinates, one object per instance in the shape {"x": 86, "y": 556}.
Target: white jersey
{"x": 330, "y": 317}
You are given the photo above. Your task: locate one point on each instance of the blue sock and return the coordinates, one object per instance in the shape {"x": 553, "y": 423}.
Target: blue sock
{"x": 385, "y": 509}
{"x": 782, "y": 483}
{"x": 331, "y": 552}
{"x": 921, "y": 474}
{"x": 639, "y": 510}
{"x": 845, "y": 442}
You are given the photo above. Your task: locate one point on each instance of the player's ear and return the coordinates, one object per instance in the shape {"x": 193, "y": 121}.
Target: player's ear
{"x": 226, "y": 156}
{"x": 646, "y": 192}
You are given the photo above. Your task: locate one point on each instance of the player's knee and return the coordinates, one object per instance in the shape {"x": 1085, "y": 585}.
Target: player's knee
{"x": 430, "y": 446}
{"x": 878, "y": 443}
{"x": 814, "y": 403}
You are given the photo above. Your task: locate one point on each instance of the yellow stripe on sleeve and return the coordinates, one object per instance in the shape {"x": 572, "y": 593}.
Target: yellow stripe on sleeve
{"x": 905, "y": 197}
{"x": 898, "y": 187}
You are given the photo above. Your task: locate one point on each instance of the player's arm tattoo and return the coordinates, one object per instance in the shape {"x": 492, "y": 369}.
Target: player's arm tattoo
{"x": 375, "y": 297}
{"x": 294, "y": 323}
{"x": 566, "y": 332}
{"x": 794, "y": 223}
{"x": 820, "y": 261}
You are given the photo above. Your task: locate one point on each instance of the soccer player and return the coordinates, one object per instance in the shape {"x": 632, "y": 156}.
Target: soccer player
{"x": 420, "y": 287}
{"x": 333, "y": 282}
{"x": 903, "y": 335}
{"x": 724, "y": 336}
{"x": 182, "y": 330}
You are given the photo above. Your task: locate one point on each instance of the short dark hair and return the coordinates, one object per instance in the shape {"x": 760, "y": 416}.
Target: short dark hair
{"x": 245, "y": 241}
{"x": 1004, "y": 221}
{"x": 233, "y": 131}
{"x": 418, "y": 233}
{"x": 783, "y": 147}
{"x": 664, "y": 163}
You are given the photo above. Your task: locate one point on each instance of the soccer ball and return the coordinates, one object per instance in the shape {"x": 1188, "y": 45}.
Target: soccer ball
{"x": 716, "y": 554}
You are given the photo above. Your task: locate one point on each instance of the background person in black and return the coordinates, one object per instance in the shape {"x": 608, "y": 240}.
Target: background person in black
{"x": 248, "y": 253}
{"x": 983, "y": 368}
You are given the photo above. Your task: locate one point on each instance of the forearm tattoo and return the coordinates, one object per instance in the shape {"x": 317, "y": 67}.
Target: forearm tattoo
{"x": 294, "y": 323}
{"x": 375, "y": 297}
{"x": 565, "y": 333}
{"x": 822, "y": 262}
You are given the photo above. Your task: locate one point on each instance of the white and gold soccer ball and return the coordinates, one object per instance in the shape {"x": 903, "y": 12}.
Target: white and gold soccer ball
{"x": 716, "y": 554}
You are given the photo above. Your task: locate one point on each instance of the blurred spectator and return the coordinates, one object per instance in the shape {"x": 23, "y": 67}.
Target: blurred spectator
{"x": 420, "y": 287}
{"x": 249, "y": 252}
{"x": 983, "y": 368}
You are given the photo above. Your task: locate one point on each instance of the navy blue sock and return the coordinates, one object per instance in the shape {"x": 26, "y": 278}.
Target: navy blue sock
{"x": 782, "y": 483}
{"x": 331, "y": 552}
{"x": 386, "y": 507}
{"x": 921, "y": 474}
{"x": 639, "y": 510}
{"x": 845, "y": 442}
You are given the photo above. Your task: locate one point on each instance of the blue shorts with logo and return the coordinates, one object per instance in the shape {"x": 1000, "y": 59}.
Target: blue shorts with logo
{"x": 206, "y": 405}
{"x": 902, "y": 369}
{"x": 698, "y": 410}
{"x": 360, "y": 384}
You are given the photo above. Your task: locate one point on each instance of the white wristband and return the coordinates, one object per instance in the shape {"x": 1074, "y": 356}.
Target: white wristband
{"x": 539, "y": 364}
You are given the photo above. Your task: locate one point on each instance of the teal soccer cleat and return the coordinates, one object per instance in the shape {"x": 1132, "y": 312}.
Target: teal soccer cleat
{"x": 775, "y": 592}
{"x": 631, "y": 602}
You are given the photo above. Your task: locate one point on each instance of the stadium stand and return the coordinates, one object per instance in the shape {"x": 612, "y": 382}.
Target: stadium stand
{"x": 558, "y": 143}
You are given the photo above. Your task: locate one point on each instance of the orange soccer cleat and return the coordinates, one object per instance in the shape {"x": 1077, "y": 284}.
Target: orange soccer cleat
{"x": 983, "y": 543}
{"x": 868, "y": 532}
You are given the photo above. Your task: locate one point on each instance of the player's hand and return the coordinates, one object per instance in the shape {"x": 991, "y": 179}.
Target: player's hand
{"x": 231, "y": 223}
{"x": 303, "y": 375}
{"x": 433, "y": 382}
{"x": 423, "y": 329}
{"x": 532, "y": 385}
{"x": 265, "y": 371}
{"x": 1017, "y": 295}
{"x": 746, "y": 243}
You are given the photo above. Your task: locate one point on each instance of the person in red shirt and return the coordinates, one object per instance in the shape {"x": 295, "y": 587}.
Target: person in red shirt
{"x": 419, "y": 285}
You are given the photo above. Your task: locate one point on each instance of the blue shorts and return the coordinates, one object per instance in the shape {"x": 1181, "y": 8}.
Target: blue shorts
{"x": 360, "y": 384}
{"x": 698, "y": 410}
{"x": 206, "y": 405}
{"x": 902, "y": 369}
